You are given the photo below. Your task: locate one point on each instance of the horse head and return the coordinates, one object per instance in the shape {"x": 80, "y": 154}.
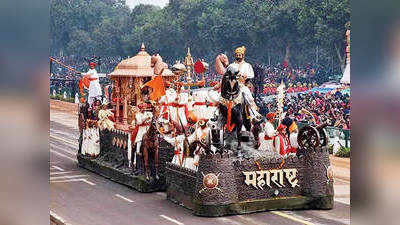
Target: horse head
{"x": 158, "y": 64}
{"x": 221, "y": 62}
{"x": 230, "y": 83}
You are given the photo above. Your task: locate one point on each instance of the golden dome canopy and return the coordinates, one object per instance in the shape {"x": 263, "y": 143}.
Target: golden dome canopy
{"x": 137, "y": 66}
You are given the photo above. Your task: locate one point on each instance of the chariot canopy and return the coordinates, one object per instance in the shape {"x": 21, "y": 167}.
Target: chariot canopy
{"x": 129, "y": 77}
{"x": 137, "y": 66}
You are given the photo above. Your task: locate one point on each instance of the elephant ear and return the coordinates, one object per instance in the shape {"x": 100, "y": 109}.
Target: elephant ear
{"x": 221, "y": 62}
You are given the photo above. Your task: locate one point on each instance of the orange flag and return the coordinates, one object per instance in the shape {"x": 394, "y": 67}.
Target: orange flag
{"x": 84, "y": 82}
{"x": 157, "y": 86}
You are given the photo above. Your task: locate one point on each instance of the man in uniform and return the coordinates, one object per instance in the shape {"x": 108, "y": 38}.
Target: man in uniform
{"x": 281, "y": 141}
{"x": 94, "y": 87}
{"x": 269, "y": 132}
{"x": 246, "y": 72}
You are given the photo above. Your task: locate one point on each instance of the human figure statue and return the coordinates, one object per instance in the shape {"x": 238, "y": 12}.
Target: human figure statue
{"x": 246, "y": 72}
{"x": 336, "y": 141}
{"x": 94, "y": 86}
{"x": 76, "y": 97}
{"x": 281, "y": 141}
{"x": 293, "y": 133}
{"x": 269, "y": 133}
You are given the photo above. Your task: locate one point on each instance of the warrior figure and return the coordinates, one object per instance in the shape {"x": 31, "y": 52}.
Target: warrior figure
{"x": 269, "y": 133}
{"x": 141, "y": 124}
{"x": 199, "y": 138}
{"x": 293, "y": 130}
{"x": 94, "y": 87}
{"x": 281, "y": 141}
{"x": 245, "y": 69}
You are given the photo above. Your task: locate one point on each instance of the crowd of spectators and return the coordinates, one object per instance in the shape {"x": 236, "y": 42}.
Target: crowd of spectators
{"x": 333, "y": 109}
{"x": 80, "y": 63}
{"x": 65, "y": 80}
{"x": 316, "y": 108}
{"x": 310, "y": 73}
{"x": 296, "y": 78}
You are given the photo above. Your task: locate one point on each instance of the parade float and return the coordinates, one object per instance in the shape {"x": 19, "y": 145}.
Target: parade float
{"x": 164, "y": 131}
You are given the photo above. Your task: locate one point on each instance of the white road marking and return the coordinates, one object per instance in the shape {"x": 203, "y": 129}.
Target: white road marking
{"x": 172, "y": 220}
{"x": 57, "y": 168}
{"x": 342, "y": 180}
{"x": 63, "y": 139}
{"x": 59, "y": 173}
{"x": 88, "y": 182}
{"x": 291, "y": 217}
{"x": 163, "y": 194}
{"x": 250, "y": 220}
{"x": 124, "y": 198}
{"x": 58, "y": 218}
{"x": 62, "y": 155}
{"x": 67, "y": 177}
{"x": 345, "y": 201}
{"x": 55, "y": 146}
{"x": 228, "y": 221}
{"x": 72, "y": 180}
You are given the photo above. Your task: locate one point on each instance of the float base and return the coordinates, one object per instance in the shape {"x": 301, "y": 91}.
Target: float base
{"x": 138, "y": 183}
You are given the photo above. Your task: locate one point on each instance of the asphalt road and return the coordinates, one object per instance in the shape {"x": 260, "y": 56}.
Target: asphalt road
{"x": 80, "y": 197}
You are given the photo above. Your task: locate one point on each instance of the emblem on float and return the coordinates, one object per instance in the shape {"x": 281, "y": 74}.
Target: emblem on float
{"x": 210, "y": 181}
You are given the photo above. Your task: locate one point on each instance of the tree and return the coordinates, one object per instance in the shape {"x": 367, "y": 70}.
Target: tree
{"x": 302, "y": 31}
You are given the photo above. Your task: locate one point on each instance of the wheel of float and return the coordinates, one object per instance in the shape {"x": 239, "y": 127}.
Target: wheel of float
{"x": 323, "y": 137}
{"x": 308, "y": 137}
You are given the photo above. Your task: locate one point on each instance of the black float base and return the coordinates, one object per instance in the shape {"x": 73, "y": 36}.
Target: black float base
{"x": 290, "y": 203}
{"x": 124, "y": 177}
{"x": 250, "y": 206}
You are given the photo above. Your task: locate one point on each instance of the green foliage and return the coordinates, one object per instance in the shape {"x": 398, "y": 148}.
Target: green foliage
{"x": 268, "y": 29}
{"x": 343, "y": 152}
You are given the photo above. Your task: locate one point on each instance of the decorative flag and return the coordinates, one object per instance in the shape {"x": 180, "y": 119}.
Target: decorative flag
{"x": 199, "y": 67}
{"x": 84, "y": 83}
{"x": 157, "y": 86}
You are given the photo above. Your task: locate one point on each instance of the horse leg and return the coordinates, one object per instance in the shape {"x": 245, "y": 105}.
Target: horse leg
{"x": 146, "y": 161}
{"x": 256, "y": 131}
{"x": 239, "y": 137}
{"x": 156, "y": 159}
{"x": 239, "y": 123}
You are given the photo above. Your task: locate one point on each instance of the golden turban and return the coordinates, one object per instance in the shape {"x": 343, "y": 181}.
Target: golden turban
{"x": 293, "y": 127}
{"x": 241, "y": 50}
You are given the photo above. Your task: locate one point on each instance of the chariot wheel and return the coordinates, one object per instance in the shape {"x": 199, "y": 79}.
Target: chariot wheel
{"x": 323, "y": 137}
{"x": 308, "y": 137}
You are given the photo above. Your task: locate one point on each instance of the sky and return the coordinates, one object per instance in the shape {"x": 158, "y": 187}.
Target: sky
{"x": 133, "y": 3}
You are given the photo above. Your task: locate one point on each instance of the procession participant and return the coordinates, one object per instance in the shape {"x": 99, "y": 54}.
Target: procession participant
{"x": 178, "y": 141}
{"x": 106, "y": 118}
{"x": 94, "y": 86}
{"x": 246, "y": 74}
{"x": 269, "y": 133}
{"x": 245, "y": 69}
{"x": 293, "y": 133}
{"x": 199, "y": 137}
{"x": 76, "y": 97}
{"x": 281, "y": 141}
{"x": 141, "y": 124}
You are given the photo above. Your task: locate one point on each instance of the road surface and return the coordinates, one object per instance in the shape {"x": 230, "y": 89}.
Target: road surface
{"x": 79, "y": 197}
